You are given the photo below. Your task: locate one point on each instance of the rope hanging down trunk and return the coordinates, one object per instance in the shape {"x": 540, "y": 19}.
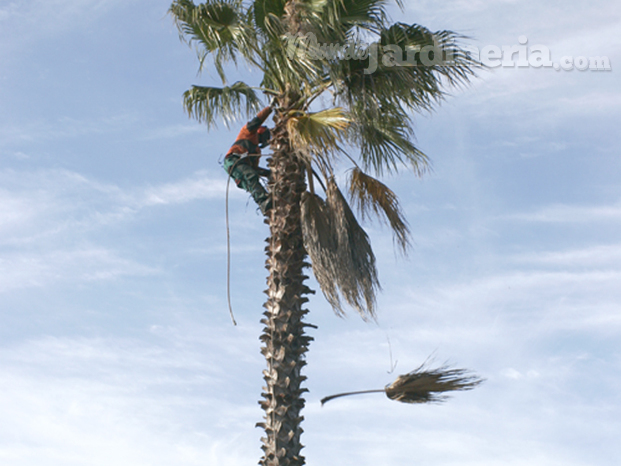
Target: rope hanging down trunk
{"x": 228, "y": 241}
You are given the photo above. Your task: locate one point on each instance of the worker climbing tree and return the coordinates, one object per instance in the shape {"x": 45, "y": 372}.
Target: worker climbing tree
{"x": 242, "y": 160}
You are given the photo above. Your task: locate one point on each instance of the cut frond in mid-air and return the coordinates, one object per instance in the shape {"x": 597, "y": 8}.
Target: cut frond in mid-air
{"x": 206, "y": 104}
{"x": 371, "y": 196}
{"x": 423, "y": 385}
{"x": 319, "y": 133}
{"x": 341, "y": 256}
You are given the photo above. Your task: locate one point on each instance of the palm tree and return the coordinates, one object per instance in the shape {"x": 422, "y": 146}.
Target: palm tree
{"x": 327, "y": 107}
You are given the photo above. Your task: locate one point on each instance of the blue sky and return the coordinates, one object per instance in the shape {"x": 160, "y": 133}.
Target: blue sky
{"x": 115, "y": 341}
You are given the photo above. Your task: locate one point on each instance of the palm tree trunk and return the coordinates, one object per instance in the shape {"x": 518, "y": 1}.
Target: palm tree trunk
{"x": 284, "y": 342}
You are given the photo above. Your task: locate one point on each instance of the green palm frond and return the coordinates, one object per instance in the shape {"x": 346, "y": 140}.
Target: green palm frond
{"x": 380, "y": 102}
{"x": 418, "y": 87}
{"x": 371, "y": 196}
{"x": 347, "y": 14}
{"x": 318, "y": 133}
{"x": 385, "y": 137}
{"x": 423, "y": 385}
{"x": 282, "y": 66}
{"x": 230, "y": 102}
{"x": 213, "y": 23}
{"x": 262, "y": 9}
{"x": 415, "y": 37}
{"x": 220, "y": 27}
{"x": 298, "y": 70}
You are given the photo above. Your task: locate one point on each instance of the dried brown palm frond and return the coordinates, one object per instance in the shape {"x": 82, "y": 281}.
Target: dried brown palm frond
{"x": 370, "y": 196}
{"x": 355, "y": 261}
{"x": 321, "y": 246}
{"x": 423, "y": 385}
{"x": 341, "y": 255}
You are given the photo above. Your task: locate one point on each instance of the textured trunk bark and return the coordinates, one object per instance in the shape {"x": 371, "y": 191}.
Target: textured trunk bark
{"x": 284, "y": 342}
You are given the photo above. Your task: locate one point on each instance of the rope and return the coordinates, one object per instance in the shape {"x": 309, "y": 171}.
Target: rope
{"x": 228, "y": 241}
{"x": 228, "y": 249}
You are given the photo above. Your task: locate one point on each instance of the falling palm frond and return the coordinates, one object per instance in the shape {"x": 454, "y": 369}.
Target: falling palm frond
{"x": 423, "y": 385}
{"x": 230, "y": 102}
{"x": 428, "y": 386}
{"x": 371, "y": 196}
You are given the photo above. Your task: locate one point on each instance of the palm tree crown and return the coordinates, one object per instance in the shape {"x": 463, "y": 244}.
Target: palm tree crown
{"x": 367, "y": 112}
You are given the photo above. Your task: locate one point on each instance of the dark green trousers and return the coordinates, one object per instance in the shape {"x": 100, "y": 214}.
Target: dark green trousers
{"x": 247, "y": 178}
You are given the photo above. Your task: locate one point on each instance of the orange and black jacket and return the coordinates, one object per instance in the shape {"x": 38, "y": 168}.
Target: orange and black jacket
{"x": 248, "y": 139}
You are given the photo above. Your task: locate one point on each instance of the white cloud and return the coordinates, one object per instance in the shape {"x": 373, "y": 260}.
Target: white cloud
{"x": 48, "y": 202}
{"x": 24, "y": 270}
{"x": 14, "y": 210}
{"x": 531, "y": 99}
{"x": 52, "y": 222}
{"x": 101, "y": 401}
{"x": 174, "y": 131}
{"x": 562, "y": 213}
{"x": 592, "y": 256}
{"x": 200, "y": 186}
{"x": 64, "y": 128}
{"x": 45, "y": 16}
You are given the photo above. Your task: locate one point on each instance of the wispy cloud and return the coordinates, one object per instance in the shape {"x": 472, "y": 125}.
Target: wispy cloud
{"x": 201, "y": 186}
{"x": 47, "y": 16}
{"x": 173, "y": 131}
{"x": 563, "y": 213}
{"x": 50, "y": 201}
{"x": 76, "y": 401}
{"x": 52, "y": 222}
{"x": 63, "y": 128}
{"x": 608, "y": 255}
{"x": 24, "y": 270}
